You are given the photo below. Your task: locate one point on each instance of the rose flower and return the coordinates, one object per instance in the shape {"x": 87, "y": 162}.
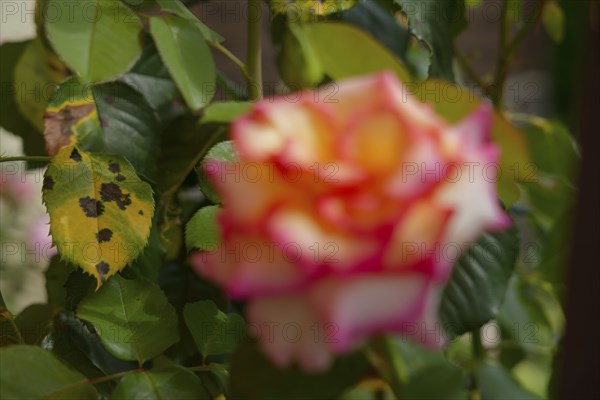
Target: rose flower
{"x": 340, "y": 215}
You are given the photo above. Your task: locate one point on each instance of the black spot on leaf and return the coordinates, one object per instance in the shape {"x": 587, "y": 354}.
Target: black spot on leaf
{"x": 120, "y": 178}
{"x": 114, "y": 168}
{"x": 75, "y": 156}
{"x": 91, "y": 207}
{"x": 104, "y": 235}
{"x": 48, "y": 183}
{"x": 102, "y": 268}
{"x": 141, "y": 212}
{"x": 112, "y": 192}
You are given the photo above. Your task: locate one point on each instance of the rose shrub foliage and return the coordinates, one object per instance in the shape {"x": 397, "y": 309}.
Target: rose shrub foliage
{"x": 354, "y": 233}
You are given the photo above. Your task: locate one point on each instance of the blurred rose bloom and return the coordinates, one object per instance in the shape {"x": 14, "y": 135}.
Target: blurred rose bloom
{"x": 343, "y": 216}
{"x": 24, "y": 230}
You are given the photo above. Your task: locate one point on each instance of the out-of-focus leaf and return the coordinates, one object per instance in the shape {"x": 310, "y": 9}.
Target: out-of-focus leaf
{"x": 132, "y": 317}
{"x": 100, "y": 211}
{"x": 478, "y": 283}
{"x": 225, "y": 112}
{"x": 100, "y": 44}
{"x": 553, "y": 18}
{"x": 37, "y": 74}
{"x": 298, "y": 61}
{"x": 253, "y": 377}
{"x": 11, "y": 118}
{"x": 214, "y": 332}
{"x": 439, "y": 381}
{"x": 310, "y": 7}
{"x": 178, "y": 8}
{"x": 152, "y": 258}
{"x": 151, "y": 78}
{"x": 371, "y": 17}
{"x": 166, "y": 380}
{"x": 187, "y": 56}
{"x": 30, "y": 372}
{"x": 221, "y": 152}
{"x": 345, "y": 51}
{"x": 496, "y": 383}
{"x": 202, "y": 231}
{"x": 436, "y": 23}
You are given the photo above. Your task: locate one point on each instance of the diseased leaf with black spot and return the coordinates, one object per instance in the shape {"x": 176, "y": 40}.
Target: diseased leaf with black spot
{"x": 71, "y": 114}
{"x": 95, "y": 219}
{"x": 111, "y": 117}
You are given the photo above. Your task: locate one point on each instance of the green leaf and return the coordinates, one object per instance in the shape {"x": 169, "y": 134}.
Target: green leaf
{"x": 166, "y": 380}
{"x": 37, "y": 74}
{"x": 344, "y": 51}
{"x": 152, "y": 258}
{"x": 253, "y": 377}
{"x": 436, "y": 23}
{"x": 34, "y": 322}
{"x": 129, "y": 125}
{"x": 553, "y": 149}
{"x": 11, "y": 118}
{"x": 455, "y": 103}
{"x": 151, "y": 78}
{"x": 132, "y": 317}
{"x": 187, "y": 56}
{"x": 298, "y": 62}
{"x": 178, "y": 8}
{"x": 186, "y": 144}
{"x": 100, "y": 211}
{"x": 221, "y": 152}
{"x": 214, "y": 332}
{"x": 79, "y": 347}
{"x": 439, "y": 381}
{"x": 225, "y": 112}
{"x": 478, "y": 283}
{"x": 311, "y": 7}
{"x": 496, "y": 383}
{"x": 553, "y": 18}
{"x": 202, "y": 231}
{"x": 371, "y": 17}
{"x": 99, "y": 39}
{"x": 29, "y": 372}
{"x": 56, "y": 278}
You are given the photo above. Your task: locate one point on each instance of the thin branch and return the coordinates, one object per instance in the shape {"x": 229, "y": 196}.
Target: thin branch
{"x": 232, "y": 57}
{"x": 468, "y": 68}
{"x": 26, "y": 158}
{"x": 254, "y": 56}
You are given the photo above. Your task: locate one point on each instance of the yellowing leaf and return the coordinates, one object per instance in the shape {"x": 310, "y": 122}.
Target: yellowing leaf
{"x": 100, "y": 210}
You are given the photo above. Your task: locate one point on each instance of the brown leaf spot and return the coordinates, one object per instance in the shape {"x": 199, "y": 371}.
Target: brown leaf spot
{"x": 114, "y": 168}
{"x": 91, "y": 207}
{"x": 102, "y": 268}
{"x": 120, "y": 178}
{"x": 75, "y": 156}
{"x": 112, "y": 192}
{"x": 48, "y": 183}
{"x": 141, "y": 212}
{"x": 104, "y": 235}
{"x": 57, "y": 126}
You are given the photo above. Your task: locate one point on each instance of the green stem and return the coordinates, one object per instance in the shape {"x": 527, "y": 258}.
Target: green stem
{"x": 232, "y": 57}
{"x": 254, "y": 57}
{"x": 26, "y": 158}
{"x": 468, "y": 68}
{"x": 507, "y": 49}
{"x": 60, "y": 393}
{"x": 478, "y": 349}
